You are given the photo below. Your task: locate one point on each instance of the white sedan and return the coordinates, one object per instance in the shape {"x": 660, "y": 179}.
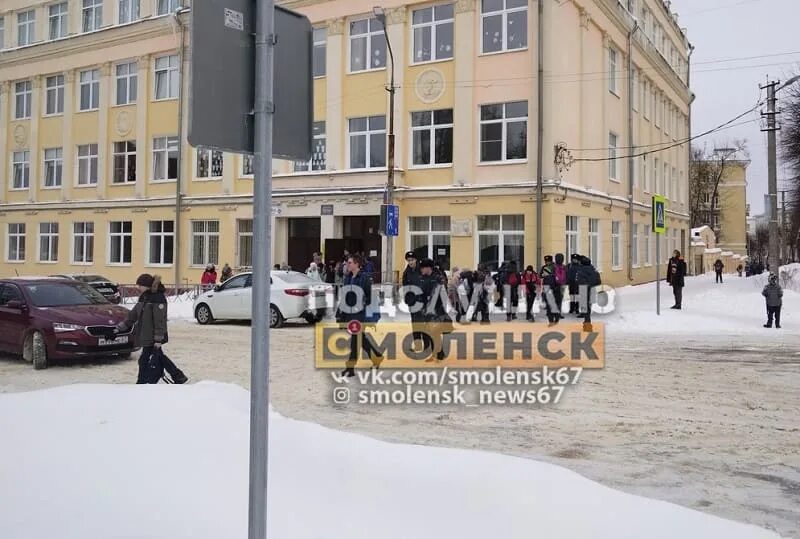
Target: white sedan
{"x": 292, "y": 295}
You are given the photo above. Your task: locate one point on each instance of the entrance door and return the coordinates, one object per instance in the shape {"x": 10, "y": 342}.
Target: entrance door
{"x": 364, "y": 229}
{"x": 304, "y": 235}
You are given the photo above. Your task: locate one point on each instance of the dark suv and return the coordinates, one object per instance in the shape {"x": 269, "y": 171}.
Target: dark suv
{"x": 109, "y": 290}
{"x": 45, "y": 318}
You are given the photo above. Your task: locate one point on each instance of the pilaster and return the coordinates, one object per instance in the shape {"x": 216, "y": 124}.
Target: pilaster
{"x": 464, "y": 114}
{"x": 4, "y": 150}
{"x": 395, "y": 20}
{"x": 143, "y": 81}
{"x": 33, "y": 144}
{"x": 103, "y": 145}
{"x": 68, "y": 147}
{"x": 334, "y": 115}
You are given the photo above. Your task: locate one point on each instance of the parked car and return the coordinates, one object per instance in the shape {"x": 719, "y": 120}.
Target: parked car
{"x": 44, "y": 318}
{"x": 109, "y": 290}
{"x": 293, "y": 295}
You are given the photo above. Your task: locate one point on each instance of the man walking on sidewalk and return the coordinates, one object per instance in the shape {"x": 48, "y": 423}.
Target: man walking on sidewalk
{"x": 676, "y": 273}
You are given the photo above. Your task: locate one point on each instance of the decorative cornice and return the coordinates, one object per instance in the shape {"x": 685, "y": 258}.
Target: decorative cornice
{"x": 465, "y": 6}
{"x": 336, "y": 27}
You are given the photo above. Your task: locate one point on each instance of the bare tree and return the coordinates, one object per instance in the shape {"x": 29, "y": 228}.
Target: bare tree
{"x": 790, "y": 152}
{"x": 706, "y": 170}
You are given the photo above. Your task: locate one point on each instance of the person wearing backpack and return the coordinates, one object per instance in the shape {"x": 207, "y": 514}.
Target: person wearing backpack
{"x": 512, "y": 280}
{"x": 586, "y": 277}
{"x": 572, "y": 283}
{"x": 532, "y": 286}
{"x": 149, "y": 320}
{"x": 551, "y": 292}
{"x": 561, "y": 280}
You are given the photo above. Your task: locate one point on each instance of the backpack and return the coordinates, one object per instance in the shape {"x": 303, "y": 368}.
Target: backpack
{"x": 561, "y": 274}
{"x": 512, "y": 279}
{"x": 154, "y": 368}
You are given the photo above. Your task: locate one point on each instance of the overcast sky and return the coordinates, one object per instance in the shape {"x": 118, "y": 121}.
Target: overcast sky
{"x": 739, "y": 29}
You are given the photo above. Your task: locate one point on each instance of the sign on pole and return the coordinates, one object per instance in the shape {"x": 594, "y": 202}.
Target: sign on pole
{"x": 390, "y": 220}
{"x": 659, "y": 210}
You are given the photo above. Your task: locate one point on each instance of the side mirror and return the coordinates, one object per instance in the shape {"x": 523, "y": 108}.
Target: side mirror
{"x": 15, "y": 304}
{"x": 217, "y": 288}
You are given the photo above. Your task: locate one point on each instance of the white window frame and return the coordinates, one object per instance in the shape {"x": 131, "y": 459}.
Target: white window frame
{"x": 167, "y": 67}
{"x": 594, "y": 237}
{"x": 656, "y": 170}
{"x": 128, "y": 155}
{"x": 659, "y": 108}
{"x": 616, "y": 245}
{"x": 612, "y": 70}
{"x": 83, "y": 233}
{"x": 166, "y": 7}
{"x": 648, "y": 245}
{"x": 206, "y": 235}
{"x": 88, "y": 172}
{"x": 500, "y": 234}
{"x": 433, "y": 25}
{"x": 209, "y": 156}
{"x": 91, "y": 15}
{"x": 674, "y": 180}
{"x": 245, "y": 159}
{"x": 53, "y": 160}
{"x": 665, "y": 181}
{"x": 2, "y": 32}
{"x": 572, "y": 235}
{"x": 50, "y": 235}
{"x": 645, "y": 99}
{"x": 90, "y": 82}
{"x": 667, "y": 116}
{"x": 128, "y": 11}
{"x": 163, "y": 235}
{"x": 505, "y": 121}
{"x": 635, "y": 246}
{"x": 58, "y": 20}
{"x": 170, "y": 146}
{"x": 26, "y": 27}
{"x": 16, "y": 241}
{"x": 54, "y": 84}
{"x": 368, "y": 134}
{"x": 429, "y": 234}
{"x": 319, "y": 147}
{"x": 613, "y": 162}
{"x": 320, "y": 37}
{"x": 23, "y": 95}
{"x": 681, "y": 191}
{"x": 370, "y": 35}
{"x": 431, "y": 128}
{"x": 126, "y": 74}
{"x": 645, "y": 175}
{"x": 504, "y": 13}
{"x": 120, "y": 237}
{"x": 20, "y": 165}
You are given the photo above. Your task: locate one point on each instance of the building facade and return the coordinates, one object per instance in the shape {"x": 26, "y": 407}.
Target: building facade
{"x": 98, "y": 175}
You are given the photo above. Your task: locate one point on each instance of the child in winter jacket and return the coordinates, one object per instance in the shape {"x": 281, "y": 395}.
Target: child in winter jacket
{"x": 773, "y": 294}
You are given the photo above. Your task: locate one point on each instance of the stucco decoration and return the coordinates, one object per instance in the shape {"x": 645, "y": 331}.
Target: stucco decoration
{"x": 430, "y": 85}
{"x": 336, "y": 27}
{"x": 396, "y": 15}
{"x": 585, "y": 18}
{"x": 124, "y": 123}
{"x": 465, "y": 6}
{"x": 20, "y": 136}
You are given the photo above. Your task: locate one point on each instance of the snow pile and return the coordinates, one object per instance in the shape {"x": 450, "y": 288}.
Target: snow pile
{"x": 178, "y": 307}
{"x": 96, "y": 462}
{"x": 789, "y": 278}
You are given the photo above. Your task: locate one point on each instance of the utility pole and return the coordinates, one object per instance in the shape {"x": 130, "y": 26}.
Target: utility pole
{"x": 772, "y": 173}
{"x": 783, "y": 224}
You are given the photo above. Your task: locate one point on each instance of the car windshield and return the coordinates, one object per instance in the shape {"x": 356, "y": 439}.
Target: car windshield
{"x": 90, "y": 278}
{"x": 62, "y": 294}
{"x": 294, "y": 277}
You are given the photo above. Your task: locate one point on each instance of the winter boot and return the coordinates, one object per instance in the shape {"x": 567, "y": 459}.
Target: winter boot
{"x": 768, "y": 325}
{"x": 349, "y": 372}
{"x": 179, "y": 378}
{"x": 587, "y": 327}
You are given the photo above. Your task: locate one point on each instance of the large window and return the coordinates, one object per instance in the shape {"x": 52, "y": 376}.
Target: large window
{"x": 656, "y": 168}
{"x": 245, "y": 243}
{"x": 59, "y": 24}
{"x": 367, "y": 142}
{"x": 165, "y": 7}
{"x": 430, "y": 238}
{"x": 205, "y": 243}
{"x": 120, "y": 242}
{"x": 501, "y": 238}
{"x": 23, "y": 94}
{"x": 92, "y": 15}
{"x": 648, "y": 246}
{"x": 16, "y": 242}
{"x": 127, "y": 82}
{"x": 320, "y": 51}
{"x": 128, "y": 11}
{"x": 613, "y": 169}
{"x": 2, "y": 32}
{"x": 504, "y": 25}
{"x": 48, "y": 242}
{"x": 616, "y": 245}
{"x": 21, "y": 168}
{"x": 572, "y": 236}
{"x": 645, "y": 99}
{"x": 317, "y": 161}
{"x": 675, "y": 186}
{"x": 26, "y": 28}
{"x": 165, "y": 158}
{"x": 594, "y": 242}
{"x": 82, "y": 243}
{"x": 124, "y": 162}
{"x": 432, "y": 137}
{"x": 367, "y": 45}
{"x": 87, "y": 164}
{"x": 635, "y": 246}
{"x": 160, "y": 242}
{"x": 248, "y": 165}
{"x": 54, "y": 100}
{"x": 53, "y": 166}
{"x": 166, "y": 77}
{"x": 209, "y": 163}
{"x": 504, "y": 131}
{"x": 645, "y": 174}
{"x": 90, "y": 89}
{"x": 612, "y": 70}
{"x": 665, "y": 181}
{"x": 635, "y": 96}
{"x": 433, "y": 33}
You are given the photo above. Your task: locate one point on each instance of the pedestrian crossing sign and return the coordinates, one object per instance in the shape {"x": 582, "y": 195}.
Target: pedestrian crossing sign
{"x": 659, "y": 214}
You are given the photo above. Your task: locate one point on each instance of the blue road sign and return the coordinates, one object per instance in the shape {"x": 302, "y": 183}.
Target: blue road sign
{"x": 392, "y": 220}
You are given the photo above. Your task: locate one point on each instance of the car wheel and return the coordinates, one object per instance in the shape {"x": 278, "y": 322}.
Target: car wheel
{"x": 275, "y": 317}
{"x": 35, "y": 350}
{"x": 203, "y": 314}
{"x": 313, "y": 319}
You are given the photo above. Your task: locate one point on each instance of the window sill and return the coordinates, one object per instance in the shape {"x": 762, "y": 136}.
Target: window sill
{"x": 173, "y": 180}
{"x": 19, "y": 189}
{"x": 319, "y": 77}
{"x": 429, "y": 62}
{"x": 53, "y": 115}
{"x": 163, "y": 99}
{"x": 635, "y": 266}
{"x": 246, "y": 177}
{"x": 122, "y": 184}
{"x": 614, "y": 180}
{"x": 212, "y": 179}
{"x": 119, "y": 265}
{"x": 504, "y": 51}
{"x": 648, "y": 265}
{"x": 117, "y": 105}
{"x": 81, "y": 263}
{"x": 158, "y": 265}
{"x": 25, "y": 119}
{"x": 15, "y": 261}
{"x": 86, "y": 110}
{"x": 51, "y": 187}
{"x": 499, "y": 163}
{"x": 85, "y": 186}
{"x": 431, "y": 167}
{"x": 614, "y": 93}
{"x": 359, "y": 72}
{"x": 48, "y": 262}
{"x": 616, "y": 268}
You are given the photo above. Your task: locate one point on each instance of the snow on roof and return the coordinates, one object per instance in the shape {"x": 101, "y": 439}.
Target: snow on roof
{"x": 727, "y": 253}
{"x": 698, "y": 230}
{"x": 715, "y": 250}
{"x": 698, "y": 244}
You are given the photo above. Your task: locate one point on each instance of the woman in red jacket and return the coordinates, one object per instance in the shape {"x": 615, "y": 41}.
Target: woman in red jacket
{"x": 533, "y": 285}
{"x": 209, "y": 278}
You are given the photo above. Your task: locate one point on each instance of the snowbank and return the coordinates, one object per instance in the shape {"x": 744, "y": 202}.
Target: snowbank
{"x": 96, "y": 462}
{"x": 179, "y": 307}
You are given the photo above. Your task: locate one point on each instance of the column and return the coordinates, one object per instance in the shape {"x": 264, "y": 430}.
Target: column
{"x": 334, "y": 120}
{"x": 146, "y": 9}
{"x": 280, "y": 245}
{"x": 68, "y": 148}
{"x": 230, "y": 171}
{"x": 327, "y": 231}
{"x": 4, "y": 166}
{"x": 111, "y": 12}
{"x": 395, "y": 21}
{"x": 187, "y": 156}
{"x": 464, "y": 114}
{"x": 33, "y": 143}
{"x": 142, "y": 144}
{"x": 74, "y": 15}
{"x": 103, "y": 145}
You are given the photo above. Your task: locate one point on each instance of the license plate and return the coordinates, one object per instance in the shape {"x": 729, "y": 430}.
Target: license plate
{"x": 110, "y": 342}
{"x": 105, "y": 290}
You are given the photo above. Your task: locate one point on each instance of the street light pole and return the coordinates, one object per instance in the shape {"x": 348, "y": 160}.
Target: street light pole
{"x": 388, "y": 194}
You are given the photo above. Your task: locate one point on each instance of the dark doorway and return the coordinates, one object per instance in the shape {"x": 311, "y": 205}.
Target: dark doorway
{"x": 304, "y": 236}
{"x": 360, "y": 236}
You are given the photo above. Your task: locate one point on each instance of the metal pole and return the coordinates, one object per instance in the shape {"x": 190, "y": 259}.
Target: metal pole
{"x": 540, "y": 131}
{"x": 176, "y": 255}
{"x": 388, "y": 195}
{"x": 783, "y": 224}
{"x": 631, "y": 149}
{"x": 772, "y": 173}
{"x": 658, "y": 274}
{"x": 262, "y": 247}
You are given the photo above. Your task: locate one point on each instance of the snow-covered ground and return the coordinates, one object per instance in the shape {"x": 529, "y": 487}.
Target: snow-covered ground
{"x": 99, "y": 462}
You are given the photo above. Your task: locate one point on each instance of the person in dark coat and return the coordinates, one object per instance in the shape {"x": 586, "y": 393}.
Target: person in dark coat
{"x": 676, "y": 273}
{"x": 433, "y": 295}
{"x": 773, "y": 294}
{"x": 356, "y": 309}
{"x": 412, "y": 296}
{"x": 532, "y": 287}
{"x": 512, "y": 280}
{"x": 586, "y": 276}
{"x": 718, "y": 267}
{"x": 551, "y": 292}
{"x": 149, "y": 320}
{"x": 480, "y": 281}
{"x": 572, "y": 283}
